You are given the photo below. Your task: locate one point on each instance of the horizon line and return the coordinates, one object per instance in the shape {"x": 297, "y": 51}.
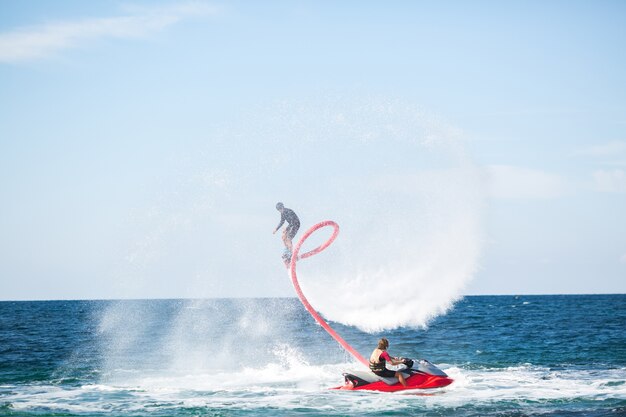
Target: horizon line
{"x": 285, "y": 297}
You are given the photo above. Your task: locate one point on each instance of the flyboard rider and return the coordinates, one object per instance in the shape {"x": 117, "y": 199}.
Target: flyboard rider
{"x": 379, "y": 359}
{"x": 293, "y": 224}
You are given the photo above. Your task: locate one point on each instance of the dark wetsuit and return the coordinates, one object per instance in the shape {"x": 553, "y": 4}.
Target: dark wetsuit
{"x": 293, "y": 221}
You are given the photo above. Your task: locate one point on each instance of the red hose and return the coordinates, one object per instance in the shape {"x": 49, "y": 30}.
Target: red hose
{"x": 305, "y": 302}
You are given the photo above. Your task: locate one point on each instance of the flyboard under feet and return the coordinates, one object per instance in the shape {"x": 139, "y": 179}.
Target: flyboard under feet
{"x": 418, "y": 374}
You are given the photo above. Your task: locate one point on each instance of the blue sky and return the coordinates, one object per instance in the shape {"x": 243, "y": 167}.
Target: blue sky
{"x": 117, "y": 118}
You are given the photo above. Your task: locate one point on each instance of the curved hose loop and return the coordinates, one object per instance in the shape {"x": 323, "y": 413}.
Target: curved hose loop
{"x": 305, "y": 302}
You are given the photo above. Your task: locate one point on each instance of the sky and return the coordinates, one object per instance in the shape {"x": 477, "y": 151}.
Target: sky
{"x": 143, "y": 145}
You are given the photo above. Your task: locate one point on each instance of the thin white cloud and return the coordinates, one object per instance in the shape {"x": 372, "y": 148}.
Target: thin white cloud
{"x": 511, "y": 182}
{"x": 610, "y": 181}
{"x": 29, "y": 44}
{"x": 613, "y": 148}
{"x": 623, "y": 259}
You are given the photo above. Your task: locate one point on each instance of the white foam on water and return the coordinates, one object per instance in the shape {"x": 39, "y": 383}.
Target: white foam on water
{"x": 304, "y": 385}
{"x": 531, "y": 383}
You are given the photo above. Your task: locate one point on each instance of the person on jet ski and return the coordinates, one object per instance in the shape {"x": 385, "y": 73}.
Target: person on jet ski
{"x": 380, "y": 357}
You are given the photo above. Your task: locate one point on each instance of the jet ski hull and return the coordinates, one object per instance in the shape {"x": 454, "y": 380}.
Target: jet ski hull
{"x": 424, "y": 375}
{"x": 415, "y": 381}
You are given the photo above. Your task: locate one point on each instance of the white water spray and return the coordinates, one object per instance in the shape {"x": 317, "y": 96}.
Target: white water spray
{"x": 408, "y": 200}
{"x": 397, "y": 180}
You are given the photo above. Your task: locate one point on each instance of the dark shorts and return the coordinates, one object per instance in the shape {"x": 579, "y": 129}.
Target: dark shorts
{"x": 386, "y": 373}
{"x": 292, "y": 229}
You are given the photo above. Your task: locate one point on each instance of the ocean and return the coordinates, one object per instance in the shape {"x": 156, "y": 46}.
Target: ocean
{"x": 553, "y": 355}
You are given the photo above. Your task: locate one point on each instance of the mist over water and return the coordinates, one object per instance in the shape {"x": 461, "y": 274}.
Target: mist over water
{"x": 395, "y": 178}
{"x": 407, "y": 197}
{"x": 181, "y": 338}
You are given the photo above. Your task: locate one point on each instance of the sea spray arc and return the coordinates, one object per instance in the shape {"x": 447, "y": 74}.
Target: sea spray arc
{"x": 422, "y": 374}
{"x": 303, "y": 299}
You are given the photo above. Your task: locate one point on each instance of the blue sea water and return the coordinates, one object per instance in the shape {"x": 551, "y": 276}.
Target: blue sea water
{"x": 560, "y": 355}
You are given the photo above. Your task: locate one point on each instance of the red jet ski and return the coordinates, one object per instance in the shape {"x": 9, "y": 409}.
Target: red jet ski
{"x": 418, "y": 374}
